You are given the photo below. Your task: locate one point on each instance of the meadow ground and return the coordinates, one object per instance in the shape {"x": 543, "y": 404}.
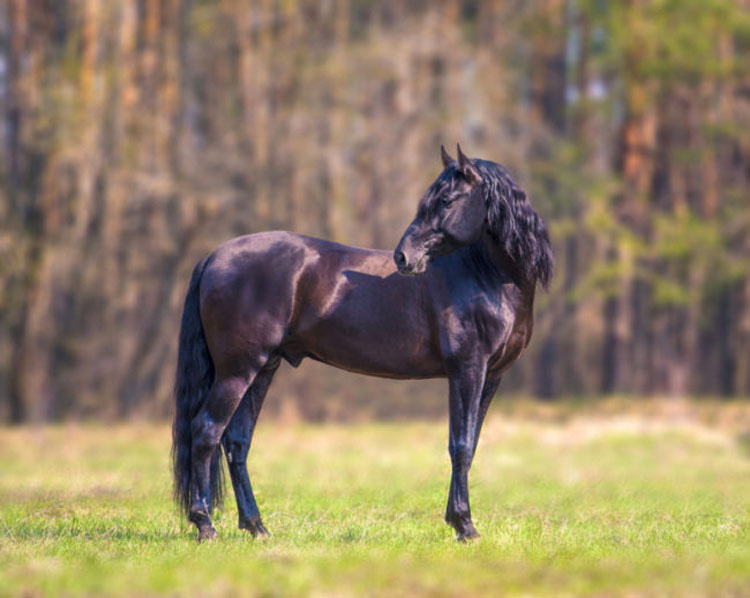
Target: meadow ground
{"x": 569, "y": 502}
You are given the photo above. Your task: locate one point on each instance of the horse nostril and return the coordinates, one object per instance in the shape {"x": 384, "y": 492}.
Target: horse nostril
{"x": 399, "y": 258}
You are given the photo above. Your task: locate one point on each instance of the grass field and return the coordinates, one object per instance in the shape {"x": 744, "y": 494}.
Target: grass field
{"x": 589, "y": 505}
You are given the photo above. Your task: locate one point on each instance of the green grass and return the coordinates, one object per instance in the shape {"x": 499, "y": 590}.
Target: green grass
{"x": 588, "y": 507}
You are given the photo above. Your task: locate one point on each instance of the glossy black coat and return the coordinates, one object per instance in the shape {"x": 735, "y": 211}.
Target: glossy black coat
{"x": 452, "y": 301}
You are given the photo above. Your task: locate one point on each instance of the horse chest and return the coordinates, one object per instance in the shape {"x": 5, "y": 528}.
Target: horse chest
{"x": 498, "y": 325}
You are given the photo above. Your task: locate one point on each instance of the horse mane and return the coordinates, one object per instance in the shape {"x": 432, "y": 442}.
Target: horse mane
{"x": 514, "y": 224}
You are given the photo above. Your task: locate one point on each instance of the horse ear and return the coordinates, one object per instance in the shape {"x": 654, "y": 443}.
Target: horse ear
{"x": 467, "y": 168}
{"x": 446, "y": 157}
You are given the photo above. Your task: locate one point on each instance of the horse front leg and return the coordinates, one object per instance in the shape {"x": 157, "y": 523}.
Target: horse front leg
{"x": 488, "y": 392}
{"x": 467, "y": 409}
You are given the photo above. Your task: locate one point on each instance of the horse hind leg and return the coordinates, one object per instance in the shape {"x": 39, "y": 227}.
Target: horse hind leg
{"x": 207, "y": 429}
{"x": 236, "y": 442}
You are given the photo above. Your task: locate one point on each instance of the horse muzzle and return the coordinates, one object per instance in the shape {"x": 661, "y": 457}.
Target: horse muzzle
{"x": 410, "y": 266}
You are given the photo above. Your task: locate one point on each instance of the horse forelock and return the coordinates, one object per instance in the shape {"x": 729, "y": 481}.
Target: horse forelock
{"x": 443, "y": 185}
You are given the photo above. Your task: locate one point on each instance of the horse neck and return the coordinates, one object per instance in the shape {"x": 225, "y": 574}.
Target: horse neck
{"x": 499, "y": 263}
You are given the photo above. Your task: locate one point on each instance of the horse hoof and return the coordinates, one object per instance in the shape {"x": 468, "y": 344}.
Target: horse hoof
{"x": 206, "y": 534}
{"x": 256, "y": 528}
{"x": 467, "y": 534}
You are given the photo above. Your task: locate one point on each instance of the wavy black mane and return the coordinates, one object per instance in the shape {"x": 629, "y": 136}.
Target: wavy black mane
{"x": 514, "y": 224}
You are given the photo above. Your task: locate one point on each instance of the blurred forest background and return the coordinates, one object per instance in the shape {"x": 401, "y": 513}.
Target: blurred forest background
{"x": 139, "y": 134}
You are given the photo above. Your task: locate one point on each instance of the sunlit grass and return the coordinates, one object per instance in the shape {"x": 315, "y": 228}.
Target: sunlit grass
{"x": 606, "y": 507}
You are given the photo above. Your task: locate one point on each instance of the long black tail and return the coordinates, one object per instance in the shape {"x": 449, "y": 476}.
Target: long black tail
{"x": 195, "y": 375}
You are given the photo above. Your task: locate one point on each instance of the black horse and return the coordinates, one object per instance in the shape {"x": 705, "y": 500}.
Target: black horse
{"x": 454, "y": 300}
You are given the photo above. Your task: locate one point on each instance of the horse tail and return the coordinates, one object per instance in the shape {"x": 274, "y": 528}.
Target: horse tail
{"x": 195, "y": 375}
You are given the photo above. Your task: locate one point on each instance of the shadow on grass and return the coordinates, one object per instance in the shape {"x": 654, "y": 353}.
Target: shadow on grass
{"x": 53, "y": 533}
{"x": 80, "y": 528}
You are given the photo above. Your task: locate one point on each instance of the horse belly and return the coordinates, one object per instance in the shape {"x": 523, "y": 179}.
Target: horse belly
{"x": 387, "y": 349}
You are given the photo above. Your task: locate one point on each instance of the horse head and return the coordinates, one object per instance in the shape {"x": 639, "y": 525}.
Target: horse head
{"x": 451, "y": 214}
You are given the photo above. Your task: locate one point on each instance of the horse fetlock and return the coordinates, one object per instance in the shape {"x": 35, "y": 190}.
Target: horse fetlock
{"x": 463, "y": 525}
{"x": 198, "y": 514}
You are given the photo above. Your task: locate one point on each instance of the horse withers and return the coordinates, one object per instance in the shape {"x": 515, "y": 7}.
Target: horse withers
{"x": 463, "y": 277}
